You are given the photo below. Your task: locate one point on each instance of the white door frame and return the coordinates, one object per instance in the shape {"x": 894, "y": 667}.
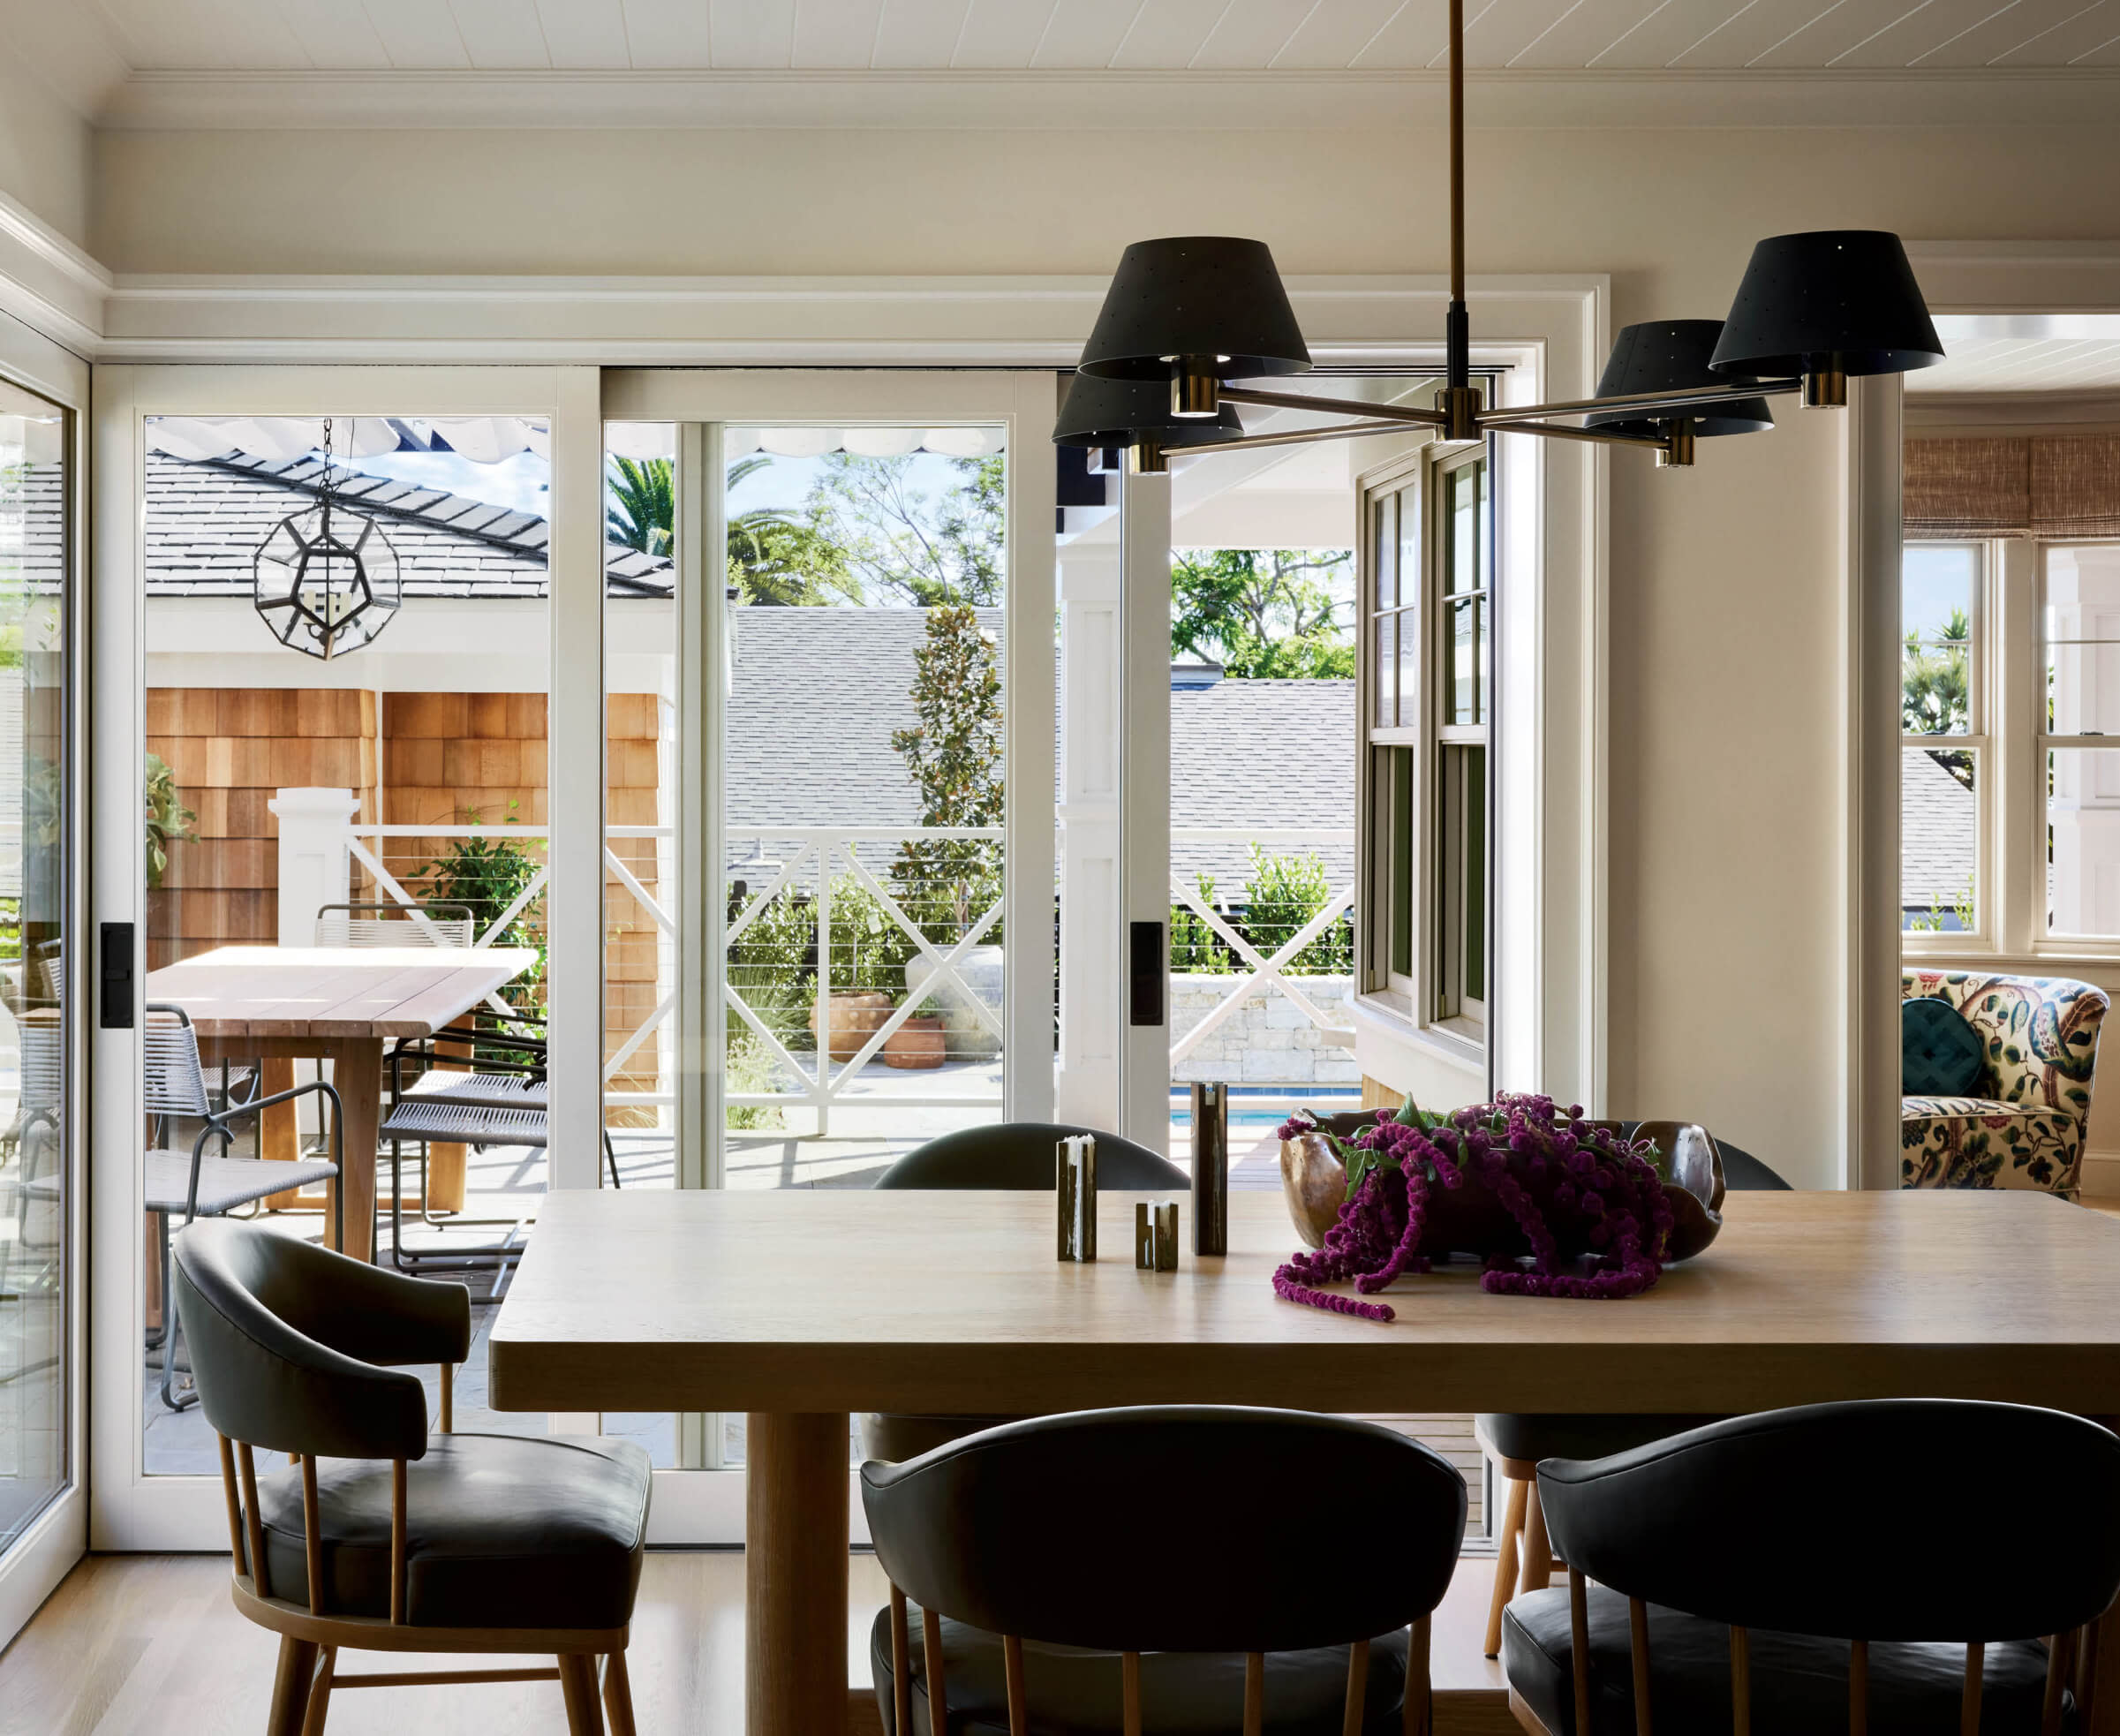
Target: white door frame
{"x": 129, "y": 1510}
{"x": 57, "y": 1538}
{"x": 706, "y": 1506}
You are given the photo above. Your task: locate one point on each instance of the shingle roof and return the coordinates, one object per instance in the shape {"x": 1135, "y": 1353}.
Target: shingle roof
{"x": 205, "y": 518}
{"x": 817, "y": 692}
{"x": 1938, "y": 833}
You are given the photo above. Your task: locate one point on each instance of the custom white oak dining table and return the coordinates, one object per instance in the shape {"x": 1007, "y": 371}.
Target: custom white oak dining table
{"x": 801, "y": 1307}
{"x": 340, "y": 1004}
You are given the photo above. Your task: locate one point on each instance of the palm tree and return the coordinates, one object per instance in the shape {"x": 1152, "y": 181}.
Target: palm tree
{"x": 773, "y": 557}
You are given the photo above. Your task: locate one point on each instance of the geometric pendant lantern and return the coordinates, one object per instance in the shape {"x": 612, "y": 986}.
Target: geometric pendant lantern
{"x": 326, "y": 580}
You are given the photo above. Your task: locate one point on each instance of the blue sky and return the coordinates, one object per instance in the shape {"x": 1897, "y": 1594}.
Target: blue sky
{"x": 1934, "y": 579}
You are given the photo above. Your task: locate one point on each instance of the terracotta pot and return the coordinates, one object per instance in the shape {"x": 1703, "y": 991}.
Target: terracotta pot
{"x": 1469, "y": 1220}
{"x": 858, "y": 1014}
{"x": 917, "y": 1044}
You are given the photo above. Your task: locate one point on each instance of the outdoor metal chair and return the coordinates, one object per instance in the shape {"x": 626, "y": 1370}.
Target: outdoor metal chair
{"x": 199, "y": 1186}
{"x": 390, "y": 925}
{"x": 470, "y": 1088}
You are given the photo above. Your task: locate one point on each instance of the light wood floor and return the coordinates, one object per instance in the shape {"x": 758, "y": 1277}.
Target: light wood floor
{"x": 148, "y": 1645}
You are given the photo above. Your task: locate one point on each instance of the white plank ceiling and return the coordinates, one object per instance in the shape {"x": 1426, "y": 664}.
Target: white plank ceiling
{"x": 1309, "y": 35}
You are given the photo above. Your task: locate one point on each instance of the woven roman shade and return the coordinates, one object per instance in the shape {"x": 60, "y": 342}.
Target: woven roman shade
{"x": 2076, "y": 486}
{"x": 2054, "y": 486}
{"x": 1966, "y": 488}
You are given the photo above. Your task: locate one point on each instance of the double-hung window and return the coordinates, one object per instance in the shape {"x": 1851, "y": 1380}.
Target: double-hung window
{"x": 1426, "y": 581}
{"x": 2076, "y": 759}
{"x": 1946, "y": 757}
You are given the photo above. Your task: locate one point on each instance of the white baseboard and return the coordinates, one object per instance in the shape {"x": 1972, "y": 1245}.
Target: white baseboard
{"x": 2101, "y": 1176}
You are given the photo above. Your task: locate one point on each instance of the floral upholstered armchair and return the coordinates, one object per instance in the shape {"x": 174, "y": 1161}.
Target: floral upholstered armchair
{"x": 2025, "y": 1128}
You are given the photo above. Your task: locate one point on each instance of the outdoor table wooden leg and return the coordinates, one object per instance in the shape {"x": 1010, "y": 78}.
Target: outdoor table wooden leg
{"x": 279, "y": 1134}
{"x": 357, "y": 1073}
{"x": 795, "y": 1574}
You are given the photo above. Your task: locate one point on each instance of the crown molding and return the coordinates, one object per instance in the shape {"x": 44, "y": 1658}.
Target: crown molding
{"x": 1108, "y": 100}
{"x": 987, "y": 321}
{"x": 47, "y": 282}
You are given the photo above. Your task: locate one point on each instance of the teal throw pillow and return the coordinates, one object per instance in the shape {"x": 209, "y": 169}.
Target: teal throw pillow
{"x": 1940, "y": 1055}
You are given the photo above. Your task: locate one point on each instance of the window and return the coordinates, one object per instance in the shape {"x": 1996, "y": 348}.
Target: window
{"x": 1427, "y": 576}
{"x": 2077, "y": 761}
{"x": 1943, "y": 720}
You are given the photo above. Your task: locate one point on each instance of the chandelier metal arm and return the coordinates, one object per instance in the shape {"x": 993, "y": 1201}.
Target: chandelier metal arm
{"x": 1693, "y": 397}
{"x": 1376, "y": 412}
{"x": 1298, "y": 437}
{"x": 1601, "y": 437}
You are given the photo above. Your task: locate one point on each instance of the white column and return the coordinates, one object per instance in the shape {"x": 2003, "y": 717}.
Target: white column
{"x": 1092, "y": 1003}
{"x": 313, "y": 857}
{"x": 1144, "y": 1070}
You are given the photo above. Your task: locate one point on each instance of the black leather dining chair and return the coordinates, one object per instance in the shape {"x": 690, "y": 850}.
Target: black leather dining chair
{"x": 1805, "y": 1570}
{"x": 1016, "y": 1156}
{"x": 1162, "y": 1570}
{"x": 379, "y": 1537}
{"x": 1515, "y": 1441}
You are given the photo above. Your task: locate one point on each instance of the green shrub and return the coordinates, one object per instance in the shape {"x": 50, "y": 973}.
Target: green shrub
{"x": 1196, "y": 948}
{"x": 770, "y": 966}
{"x": 1282, "y": 895}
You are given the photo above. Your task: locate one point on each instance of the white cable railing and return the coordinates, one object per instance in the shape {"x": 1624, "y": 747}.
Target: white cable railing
{"x": 822, "y": 864}
{"x": 1264, "y": 971}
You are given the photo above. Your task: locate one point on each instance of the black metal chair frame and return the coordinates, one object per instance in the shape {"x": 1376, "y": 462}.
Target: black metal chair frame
{"x": 220, "y": 1124}
{"x": 517, "y": 1057}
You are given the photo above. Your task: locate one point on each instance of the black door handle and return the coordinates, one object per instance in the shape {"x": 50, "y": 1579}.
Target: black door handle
{"x": 114, "y": 1004}
{"x": 1145, "y": 973}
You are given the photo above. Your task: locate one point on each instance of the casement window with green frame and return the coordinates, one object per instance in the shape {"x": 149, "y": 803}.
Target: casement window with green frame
{"x": 1427, "y": 577}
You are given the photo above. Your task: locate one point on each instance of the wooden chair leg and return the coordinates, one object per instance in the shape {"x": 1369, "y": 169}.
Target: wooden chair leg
{"x": 319, "y": 1694}
{"x": 577, "y": 1683}
{"x": 290, "y": 1688}
{"x": 1537, "y": 1571}
{"x": 618, "y": 1695}
{"x": 1504, "y": 1565}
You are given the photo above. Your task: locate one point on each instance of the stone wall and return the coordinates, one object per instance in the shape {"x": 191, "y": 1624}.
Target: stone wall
{"x": 1267, "y": 1040}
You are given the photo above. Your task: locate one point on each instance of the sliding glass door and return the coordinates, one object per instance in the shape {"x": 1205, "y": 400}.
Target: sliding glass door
{"x": 828, "y": 895}
{"x": 42, "y": 1403}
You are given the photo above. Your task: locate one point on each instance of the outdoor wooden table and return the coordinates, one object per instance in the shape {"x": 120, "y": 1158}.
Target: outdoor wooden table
{"x": 801, "y": 1307}
{"x": 335, "y": 1004}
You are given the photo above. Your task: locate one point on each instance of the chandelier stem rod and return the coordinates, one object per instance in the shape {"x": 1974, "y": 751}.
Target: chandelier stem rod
{"x": 1459, "y": 326}
{"x": 1378, "y": 412}
{"x": 1692, "y": 398}
{"x": 1599, "y": 436}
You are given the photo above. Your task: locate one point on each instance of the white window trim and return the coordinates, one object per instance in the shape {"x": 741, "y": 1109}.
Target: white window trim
{"x": 1988, "y": 738}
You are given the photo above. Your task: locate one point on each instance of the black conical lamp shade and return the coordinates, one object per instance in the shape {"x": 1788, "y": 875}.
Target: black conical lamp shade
{"x": 1672, "y": 356}
{"x": 1119, "y": 412}
{"x": 1841, "y": 299}
{"x": 1210, "y": 296}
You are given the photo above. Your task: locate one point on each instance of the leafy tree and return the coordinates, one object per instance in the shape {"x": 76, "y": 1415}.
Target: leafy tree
{"x": 773, "y": 557}
{"x": 1936, "y": 692}
{"x": 954, "y": 755}
{"x": 929, "y": 550}
{"x": 1265, "y": 612}
{"x": 1281, "y": 897}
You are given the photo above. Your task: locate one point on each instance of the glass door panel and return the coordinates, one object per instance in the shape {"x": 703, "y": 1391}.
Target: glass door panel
{"x": 35, "y": 1085}
{"x": 348, "y": 660}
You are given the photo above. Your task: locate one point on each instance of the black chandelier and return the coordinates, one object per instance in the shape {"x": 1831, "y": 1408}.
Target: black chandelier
{"x": 326, "y": 580}
{"x": 1188, "y": 316}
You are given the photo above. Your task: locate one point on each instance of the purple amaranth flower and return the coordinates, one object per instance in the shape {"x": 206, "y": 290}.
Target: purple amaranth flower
{"x": 1603, "y": 1193}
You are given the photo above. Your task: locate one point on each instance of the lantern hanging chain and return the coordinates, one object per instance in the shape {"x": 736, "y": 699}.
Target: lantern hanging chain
{"x": 324, "y": 493}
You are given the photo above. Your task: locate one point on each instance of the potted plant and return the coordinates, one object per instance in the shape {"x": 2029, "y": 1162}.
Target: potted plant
{"x": 919, "y": 1042}
{"x": 865, "y": 950}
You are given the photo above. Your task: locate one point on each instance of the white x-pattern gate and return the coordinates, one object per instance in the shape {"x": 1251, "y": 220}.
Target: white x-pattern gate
{"x": 1265, "y": 972}
{"x": 820, "y": 853}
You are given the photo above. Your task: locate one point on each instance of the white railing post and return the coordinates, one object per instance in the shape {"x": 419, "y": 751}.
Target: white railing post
{"x": 313, "y": 862}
